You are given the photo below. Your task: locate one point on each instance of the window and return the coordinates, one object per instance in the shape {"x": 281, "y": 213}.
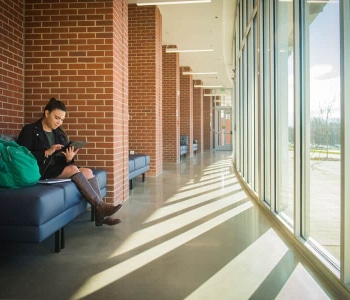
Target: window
{"x": 323, "y": 160}
{"x": 266, "y": 103}
{"x": 300, "y": 111}
{"x": 284, "y": 110}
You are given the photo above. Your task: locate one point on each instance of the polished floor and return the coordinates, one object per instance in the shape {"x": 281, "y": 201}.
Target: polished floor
{"x": 190, "y": 233}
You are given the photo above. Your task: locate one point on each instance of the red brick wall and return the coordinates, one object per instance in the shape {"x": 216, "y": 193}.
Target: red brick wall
{"x": 186, "y": 107}
{"x": 207, "y": 120}
{"x": 69, "y": 52}
{"x": 198, "y": 114}
{"x": 145, "y": 84}
{"x": 171, "y": 106}
{"x": 120, "y": 106}
{"x": 11, "y": 67}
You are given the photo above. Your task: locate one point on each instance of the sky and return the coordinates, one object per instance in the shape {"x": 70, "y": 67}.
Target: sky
{"x": 325, "y": 59}
{"x": 324, "y": 51}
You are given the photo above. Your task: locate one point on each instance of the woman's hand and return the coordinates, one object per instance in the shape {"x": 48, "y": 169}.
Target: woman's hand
{"x": 70, "y": 153}
{"x": 53, "y": 149}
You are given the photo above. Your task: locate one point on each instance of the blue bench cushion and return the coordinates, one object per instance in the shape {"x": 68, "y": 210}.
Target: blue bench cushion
{"x": 138, "y": 164}
{"x": 184, "y": 145}
{"x": 131, "y": 165}
{"x": 183, "y": 150}
{"x": 183, "y": 140}
{"x": 34, "y": 213}
{"x": 31, "y": 205}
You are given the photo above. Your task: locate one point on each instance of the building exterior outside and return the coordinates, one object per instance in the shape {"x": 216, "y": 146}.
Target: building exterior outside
{"x": 292, "y": 110}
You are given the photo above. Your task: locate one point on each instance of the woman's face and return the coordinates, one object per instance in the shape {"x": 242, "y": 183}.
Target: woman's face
{"x": 55, "y": 118}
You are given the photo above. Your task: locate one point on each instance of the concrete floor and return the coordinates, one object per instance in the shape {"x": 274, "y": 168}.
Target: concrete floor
{"x": 190, "y": 233}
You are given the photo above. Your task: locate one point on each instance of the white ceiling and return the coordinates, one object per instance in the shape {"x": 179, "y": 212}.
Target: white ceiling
{"x": 202, "y": 26}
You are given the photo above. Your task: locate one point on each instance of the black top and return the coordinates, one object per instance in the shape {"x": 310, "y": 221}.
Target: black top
{"x": 33, "y": 137}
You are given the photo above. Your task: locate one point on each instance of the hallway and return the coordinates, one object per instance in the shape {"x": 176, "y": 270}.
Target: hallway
{"x": 190, "y": 233}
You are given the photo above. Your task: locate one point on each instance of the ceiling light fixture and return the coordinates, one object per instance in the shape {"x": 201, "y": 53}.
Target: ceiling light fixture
{"x": 199, "y": 73}
{"x": 174, "y": 50}
{"x": 208, "y": 86}
{"x": 169, "y": 2}
{"x": 314, "y": 1}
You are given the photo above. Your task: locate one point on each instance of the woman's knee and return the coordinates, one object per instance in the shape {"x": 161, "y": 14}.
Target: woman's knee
{"x": 72, "y": 168}
{"x": 87, "y": 172}
{"x": 69, "y": 171}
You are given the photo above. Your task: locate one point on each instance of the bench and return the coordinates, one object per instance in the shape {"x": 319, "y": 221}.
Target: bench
{"x": 195, "y": 146}
{"x": 32, "y": 214}
{"x": 184, "y": 145}
{"x": 138, "y": 165}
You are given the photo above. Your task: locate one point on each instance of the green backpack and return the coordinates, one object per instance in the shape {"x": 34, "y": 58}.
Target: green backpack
{"x": 18, "y": 166}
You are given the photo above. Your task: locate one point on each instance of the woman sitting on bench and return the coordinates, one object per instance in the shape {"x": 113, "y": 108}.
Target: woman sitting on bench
{"x": 44, "y": 138}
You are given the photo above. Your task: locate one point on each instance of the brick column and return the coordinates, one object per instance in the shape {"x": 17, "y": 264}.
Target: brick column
{"x": 207, "y": 122}
{"x": 11, "y": 66}
{"x": 171, "y": 106}
{"x": 198, "y": 114}
{"x": 145, "y": 84}
{"x": 186, "y": 107}
{"x": 78, "y": 52}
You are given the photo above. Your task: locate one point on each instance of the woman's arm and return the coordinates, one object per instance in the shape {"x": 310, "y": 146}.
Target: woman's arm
{"x": 27, "y": 138}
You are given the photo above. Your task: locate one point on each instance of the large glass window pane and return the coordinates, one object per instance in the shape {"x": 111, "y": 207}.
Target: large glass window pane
{"x": 250, "y": 110}
{"x": 255, "y": 108}
{"x": 241, "y": 118}
{"x": 284, "y": 110}
{"x": 245, "y": 153}
{"x": 238, "y": 121}
{"x": 266, "y": 96}
{"x": 323, "y": 70}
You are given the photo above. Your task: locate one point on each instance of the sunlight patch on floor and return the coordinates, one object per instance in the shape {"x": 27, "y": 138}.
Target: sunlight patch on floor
{"x": 301, "y": 285}
{"x": 215, "y": 172}
{"x": 195, "y": 200}
{"x": 130, "y": 265}
{"x": 153, "y": 232}
{"x": 195, "y": 189}
{"x": 244, "y": 274}
{"x": 204, "y": 181}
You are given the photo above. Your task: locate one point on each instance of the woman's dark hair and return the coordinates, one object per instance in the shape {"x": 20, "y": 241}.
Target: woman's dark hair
{"x": 55, "y": 104}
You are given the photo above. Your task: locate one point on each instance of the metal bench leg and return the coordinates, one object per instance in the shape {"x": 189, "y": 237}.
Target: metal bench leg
{"x": 57, "y": 241}
{"x": 63, "y": 241}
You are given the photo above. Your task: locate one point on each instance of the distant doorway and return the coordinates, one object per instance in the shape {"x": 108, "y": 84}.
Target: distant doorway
{"x": 223, "y": 128}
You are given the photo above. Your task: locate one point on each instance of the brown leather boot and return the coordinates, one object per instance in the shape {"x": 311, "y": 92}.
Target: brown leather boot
{"x": 109, "y": 221}
{"x": 90, "y": 195}
{"x": 99, "y": 217}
